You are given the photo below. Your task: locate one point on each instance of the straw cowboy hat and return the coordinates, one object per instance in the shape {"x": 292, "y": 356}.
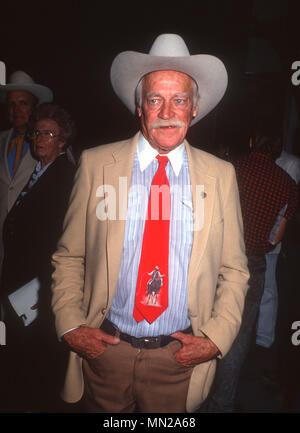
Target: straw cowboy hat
{"x": 19, "y": 80}
{"x": 169, "y": 52}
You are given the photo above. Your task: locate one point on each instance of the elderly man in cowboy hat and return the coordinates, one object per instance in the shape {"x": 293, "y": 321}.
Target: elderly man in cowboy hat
{"x": 127, "y": 355}
{"x": 21, "y": 95}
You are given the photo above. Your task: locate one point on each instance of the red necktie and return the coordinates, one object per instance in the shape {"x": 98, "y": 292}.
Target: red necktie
{"x": 151, "y": 298}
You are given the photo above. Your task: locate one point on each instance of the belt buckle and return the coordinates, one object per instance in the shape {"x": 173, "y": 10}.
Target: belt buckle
{"x": 154, "y": 341}
{"x": 148, "y": 342}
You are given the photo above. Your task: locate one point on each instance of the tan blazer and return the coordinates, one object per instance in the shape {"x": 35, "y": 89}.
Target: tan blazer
{"x": 89, "y": 253}
{"x": 11, "y": 188}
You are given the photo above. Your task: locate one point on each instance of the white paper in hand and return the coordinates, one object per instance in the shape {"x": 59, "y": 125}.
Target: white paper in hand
{"x": 24, "y": 301}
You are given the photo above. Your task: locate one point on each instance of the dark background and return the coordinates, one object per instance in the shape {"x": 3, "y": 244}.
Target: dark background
{"x": 69, "y": 46}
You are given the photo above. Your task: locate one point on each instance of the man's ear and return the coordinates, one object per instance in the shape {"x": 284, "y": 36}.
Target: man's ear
{"x": 61, "y": 144}
{"x": 195, "y": 112}
{"x": 139, "y": 111}
{"x": 196, "y": 108}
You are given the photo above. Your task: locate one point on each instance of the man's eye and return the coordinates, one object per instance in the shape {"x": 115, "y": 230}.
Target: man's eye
{"x": 153, "y": 101}
{"x": 179, "y": 101}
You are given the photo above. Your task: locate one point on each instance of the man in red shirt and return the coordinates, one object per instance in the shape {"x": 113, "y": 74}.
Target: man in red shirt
{"x": 268, "y": 200}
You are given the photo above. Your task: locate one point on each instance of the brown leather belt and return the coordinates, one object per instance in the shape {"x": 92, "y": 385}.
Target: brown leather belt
{"x": 143, "y": 342}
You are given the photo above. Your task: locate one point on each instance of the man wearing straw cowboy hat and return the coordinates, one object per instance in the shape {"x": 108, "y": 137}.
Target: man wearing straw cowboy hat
{"x": 21, "y": 95}
{"x": 126, "y": 354}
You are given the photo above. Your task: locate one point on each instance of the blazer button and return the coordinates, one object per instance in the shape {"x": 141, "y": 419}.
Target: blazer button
{"x": 103, "y": 311}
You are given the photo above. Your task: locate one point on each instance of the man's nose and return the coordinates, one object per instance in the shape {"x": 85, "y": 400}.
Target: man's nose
{"x": 166, "y": 111}
{"x": 16, "y": 109}
{"x": 38, "y": 138}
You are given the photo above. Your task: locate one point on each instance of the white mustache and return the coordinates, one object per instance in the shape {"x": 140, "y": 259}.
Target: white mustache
{"x": 160, "y": 123}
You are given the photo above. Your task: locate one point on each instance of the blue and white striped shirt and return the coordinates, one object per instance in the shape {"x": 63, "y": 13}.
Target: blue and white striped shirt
{"x": 175, "y": 317}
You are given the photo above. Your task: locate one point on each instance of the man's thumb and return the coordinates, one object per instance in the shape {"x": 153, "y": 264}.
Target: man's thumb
{"x": 110, "y": 339}
{"x": 178, "y": 335}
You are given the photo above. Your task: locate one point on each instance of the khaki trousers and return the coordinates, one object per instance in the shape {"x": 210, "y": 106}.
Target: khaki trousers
{"x": 125, "y": 380}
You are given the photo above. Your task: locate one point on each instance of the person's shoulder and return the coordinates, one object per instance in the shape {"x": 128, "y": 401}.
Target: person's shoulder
{"x": 281, "y": 170}
{"x": 62, "y": 168}
{"x": 4, "y": 134}
{"x": 215, "y": 166}
{"x": 287, "y": 157}
{"x": 105, "y": 153}
{"x": 69, "y": 165}
{"x": 291, "y": 164}
{"x": 284, "y": 178}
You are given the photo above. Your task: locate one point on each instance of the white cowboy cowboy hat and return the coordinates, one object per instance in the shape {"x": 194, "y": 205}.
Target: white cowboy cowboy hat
{"x": 169, "y": 52}
{"x": 19, "y": 80}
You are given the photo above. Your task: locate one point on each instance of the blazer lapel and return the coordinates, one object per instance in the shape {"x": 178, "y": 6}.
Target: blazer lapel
{"x": 4, "y": 154}
{"x": 118, "y": 176}
{"x": 26, "y": 166}
{"x": 203, "y": 191}
{"x": 26, "y": 163}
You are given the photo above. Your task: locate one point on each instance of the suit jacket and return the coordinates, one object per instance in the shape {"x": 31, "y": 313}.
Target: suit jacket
{"x": 89, "y": 253}
{"x": 11, "y": 188}
{"x": 31, "y": 231}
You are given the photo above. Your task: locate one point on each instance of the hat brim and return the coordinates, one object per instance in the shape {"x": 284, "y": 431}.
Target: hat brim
{"x": 42, "y": 93}
{"x": 208, "y": 71}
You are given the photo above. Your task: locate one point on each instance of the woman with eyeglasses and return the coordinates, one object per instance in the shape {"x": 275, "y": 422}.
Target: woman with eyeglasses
{"x": 32, "y": 363}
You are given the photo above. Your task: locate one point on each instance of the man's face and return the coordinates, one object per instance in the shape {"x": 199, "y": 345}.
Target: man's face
{"x": 20, "y": 106}
{"x": 167, "y": 109}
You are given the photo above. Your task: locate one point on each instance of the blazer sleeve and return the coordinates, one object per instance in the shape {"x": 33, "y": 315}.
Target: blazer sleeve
{"x": 69, "y": 258}
{"x": 233, "y": 275}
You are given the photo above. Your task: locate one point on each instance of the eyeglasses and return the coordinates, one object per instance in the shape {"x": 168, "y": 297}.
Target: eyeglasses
{"x": 48, "y": 134}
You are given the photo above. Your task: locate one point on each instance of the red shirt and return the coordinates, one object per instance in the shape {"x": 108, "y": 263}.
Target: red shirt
{"x": 265, "y": 189}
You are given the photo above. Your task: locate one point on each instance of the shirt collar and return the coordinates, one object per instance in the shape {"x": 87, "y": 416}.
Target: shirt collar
{"x": 146, "y": 154}
{"x": 16, "y": 134}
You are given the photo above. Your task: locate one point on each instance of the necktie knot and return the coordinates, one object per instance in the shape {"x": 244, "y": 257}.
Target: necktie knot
{"x": 162, "y": 160}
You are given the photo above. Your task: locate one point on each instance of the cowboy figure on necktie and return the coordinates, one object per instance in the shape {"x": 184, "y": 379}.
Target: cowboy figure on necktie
{"x": 154, "y": 285}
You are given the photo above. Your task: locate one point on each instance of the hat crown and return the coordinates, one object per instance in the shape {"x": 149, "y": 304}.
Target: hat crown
{"x": 20, "y": 77}
{"x": 170, "y": 45}
{"x": 21, "y": 81}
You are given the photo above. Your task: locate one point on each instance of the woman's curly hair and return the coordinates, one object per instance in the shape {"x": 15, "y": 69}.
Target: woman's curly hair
{"x": 59, "y": 115}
